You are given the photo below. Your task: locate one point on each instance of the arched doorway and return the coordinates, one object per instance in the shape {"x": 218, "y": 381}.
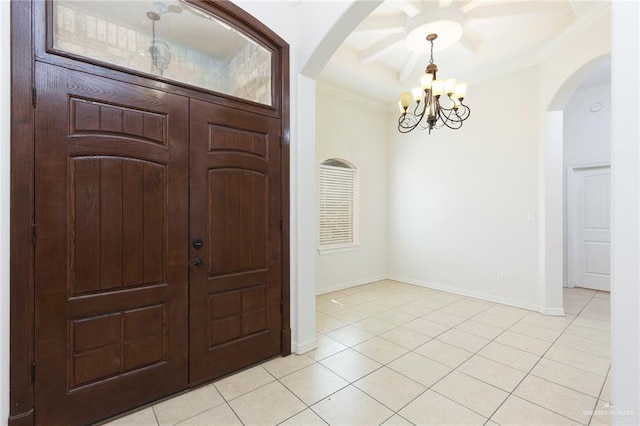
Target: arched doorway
{"x": 552, "y": 272}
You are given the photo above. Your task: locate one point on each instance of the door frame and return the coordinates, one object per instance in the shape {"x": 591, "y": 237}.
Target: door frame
{"x": 22, "y": 234}
{"x": 570, "y": 228}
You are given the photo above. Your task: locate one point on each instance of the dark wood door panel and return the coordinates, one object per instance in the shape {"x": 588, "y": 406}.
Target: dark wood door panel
{"x": 105, "y": 346}
{"x": 235, "y": 207}
{"x": 238, "y": 221}
{"x": 111, "y": 276}
{"x": 118, "y": 212}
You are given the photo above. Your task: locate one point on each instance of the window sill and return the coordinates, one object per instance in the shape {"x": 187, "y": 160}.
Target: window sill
{"x": 342, "y": 249}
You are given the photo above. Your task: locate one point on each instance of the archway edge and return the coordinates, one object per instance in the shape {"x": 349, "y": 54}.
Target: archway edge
{"x": 564, "y": 92}
{"x": 552, "y": 174}
{"x": 353, "y": 15}
{"x": 326, "y": 26}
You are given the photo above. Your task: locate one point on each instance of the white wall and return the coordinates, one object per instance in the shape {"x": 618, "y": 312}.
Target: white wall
{"x": 625, "y": 218}
{"x": 351, "y": 129}
{"x": 5, "y": 151}
{"x": 586, "y": 139}
{"x": 587, "y": 135}
{"x": 459, "y": 199}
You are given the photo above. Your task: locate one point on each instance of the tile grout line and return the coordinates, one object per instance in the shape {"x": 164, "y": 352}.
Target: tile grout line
{"x": 397, "y": 412}
{"x": 474, "y": 354}
{"x": 599, "y": 396}
{"x": 400, "y": 290}
{"x": 155, "y": 416}
{"x": 492, "y": 304}
{"x": 453, "y": 369}
{"x": 435, "y": 338}
{"x": 532, "y": 368}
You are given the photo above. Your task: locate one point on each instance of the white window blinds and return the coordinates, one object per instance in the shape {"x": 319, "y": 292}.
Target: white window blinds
{"x": 338, "y": 205}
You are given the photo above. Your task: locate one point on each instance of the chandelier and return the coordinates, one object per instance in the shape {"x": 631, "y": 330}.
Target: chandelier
{"x": 438, "y": 103}
{"x": 159, "y": 50}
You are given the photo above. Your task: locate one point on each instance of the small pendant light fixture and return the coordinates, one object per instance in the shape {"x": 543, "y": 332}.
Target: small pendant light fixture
{"x": 430, "y": 112}
{"x": 159, "y": 50}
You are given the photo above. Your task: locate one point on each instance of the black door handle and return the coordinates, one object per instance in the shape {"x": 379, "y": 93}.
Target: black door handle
{"x": 197, "y": 243}
{"x": 198, "y": 262}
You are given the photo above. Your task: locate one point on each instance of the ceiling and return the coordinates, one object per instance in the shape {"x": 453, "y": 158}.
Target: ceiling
{"x": 477, "y": 40}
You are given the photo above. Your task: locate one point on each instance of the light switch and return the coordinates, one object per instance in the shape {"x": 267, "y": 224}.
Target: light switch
{"x": 531, "y": 215}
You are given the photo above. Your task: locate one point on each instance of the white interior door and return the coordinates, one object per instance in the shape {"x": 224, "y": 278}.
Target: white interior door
{"x": 589, "y": 225}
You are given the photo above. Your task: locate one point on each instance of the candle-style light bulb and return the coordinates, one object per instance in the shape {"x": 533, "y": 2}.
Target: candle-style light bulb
{"x": 460, "y": 91}
{"x": 426, "y": 80}
{"x": 405, "y": 99}
{"x": 417, "y": 93}
{"x": 449, "y": 85}
{"x": 437, "y": 87}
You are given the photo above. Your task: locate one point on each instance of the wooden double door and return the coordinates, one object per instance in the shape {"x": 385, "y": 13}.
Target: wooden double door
{"x": 158, "y": 243}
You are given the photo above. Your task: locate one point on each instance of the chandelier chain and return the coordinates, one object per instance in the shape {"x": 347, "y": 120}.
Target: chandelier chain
{"x": 431, "y": 60}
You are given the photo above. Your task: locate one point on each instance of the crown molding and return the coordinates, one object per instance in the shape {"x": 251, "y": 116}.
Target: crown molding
{"x": 577, "y": 26}
{"x": 489, "y": 71}
{"x": 538, "y": 56}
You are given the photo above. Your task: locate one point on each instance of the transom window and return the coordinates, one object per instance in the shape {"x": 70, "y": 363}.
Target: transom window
{"x": 173, "y": 39}
{"x": 338, "y": 205}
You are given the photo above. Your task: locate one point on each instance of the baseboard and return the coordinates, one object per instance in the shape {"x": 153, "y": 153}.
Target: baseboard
{"x": 468, "y": 293}
{"x": 342, "y": 286}
{"x": 434, "y": 286}
{"x": 557, "y": 312}
{"x": 304, "y": 347}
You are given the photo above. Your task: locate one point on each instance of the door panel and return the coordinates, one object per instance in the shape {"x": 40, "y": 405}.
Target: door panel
{"x": 590, "y": 231}
{"x": 111, "y": 270}
{"x": 235, "y": 208}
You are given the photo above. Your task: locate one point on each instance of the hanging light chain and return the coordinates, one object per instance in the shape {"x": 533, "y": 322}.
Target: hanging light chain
{"x": 431, "y": 60}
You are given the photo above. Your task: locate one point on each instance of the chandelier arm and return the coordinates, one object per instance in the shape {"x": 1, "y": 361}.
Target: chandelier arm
{"x": 457, "y": 115}
{"x": 447, "y": 109}
{"x": 438, "y": 126}
{"x": 421, "y": 113}
{"x": 449, "y": 122}
{"x": 466, "y": 111}
{"x": 455, "y": 126}
{"x": 450, "y": 116}
{"x": 453, "y": 107}
{"x": 407, "y": 122}
{"x": 407, "y": 118}
{"x": 463, "y": 113}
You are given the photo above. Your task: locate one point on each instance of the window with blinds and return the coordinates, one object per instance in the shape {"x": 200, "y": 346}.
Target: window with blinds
{"x": 338, "y": 205}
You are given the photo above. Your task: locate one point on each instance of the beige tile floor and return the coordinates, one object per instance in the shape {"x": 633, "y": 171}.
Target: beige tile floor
{"x": 396, "y": 354}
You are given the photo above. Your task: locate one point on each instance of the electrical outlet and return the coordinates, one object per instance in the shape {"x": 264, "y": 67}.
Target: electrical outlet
{"x": 500, "y": 277}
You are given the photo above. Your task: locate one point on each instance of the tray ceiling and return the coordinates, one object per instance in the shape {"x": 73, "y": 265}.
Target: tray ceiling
{"x": 477, "y": 40}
